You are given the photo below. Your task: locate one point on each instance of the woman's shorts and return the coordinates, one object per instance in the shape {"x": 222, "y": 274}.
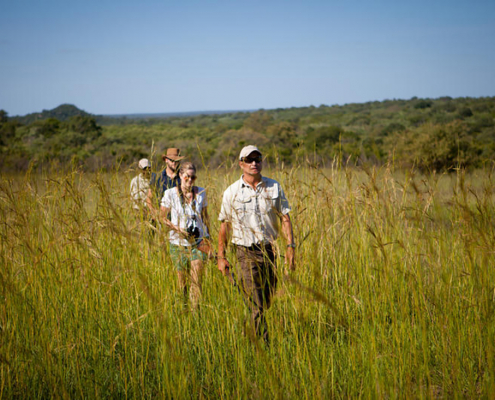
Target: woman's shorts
{"x": 183, "y": 255}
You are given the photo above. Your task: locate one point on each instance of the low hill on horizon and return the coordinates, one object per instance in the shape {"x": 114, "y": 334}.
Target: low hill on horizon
{"x": 63, "y": 112}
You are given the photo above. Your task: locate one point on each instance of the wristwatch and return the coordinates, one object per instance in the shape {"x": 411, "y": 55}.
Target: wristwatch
{"x": 293, "y": 245}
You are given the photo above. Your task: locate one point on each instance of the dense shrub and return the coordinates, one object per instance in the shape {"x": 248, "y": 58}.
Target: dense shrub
{"x": 437, "y": 147}
{"x": 421, "y": 104}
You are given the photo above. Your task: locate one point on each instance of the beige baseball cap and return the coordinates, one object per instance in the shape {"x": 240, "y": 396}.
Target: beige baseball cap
{"x": 246, "y": 151}
{"x": 144, "y": 163}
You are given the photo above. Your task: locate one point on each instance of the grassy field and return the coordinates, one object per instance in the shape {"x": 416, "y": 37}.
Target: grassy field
{"x": 393, "y": 294}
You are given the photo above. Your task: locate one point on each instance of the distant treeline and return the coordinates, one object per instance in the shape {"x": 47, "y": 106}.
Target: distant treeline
{"x": 431, "y": 134}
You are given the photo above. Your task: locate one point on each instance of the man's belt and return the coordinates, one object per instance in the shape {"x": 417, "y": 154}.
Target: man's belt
{"x": 257, "y": 247}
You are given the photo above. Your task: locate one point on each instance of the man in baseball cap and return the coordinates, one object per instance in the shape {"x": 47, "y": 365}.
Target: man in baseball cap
{"x": 251, "y": 211}
{"x": 140, "y": 185}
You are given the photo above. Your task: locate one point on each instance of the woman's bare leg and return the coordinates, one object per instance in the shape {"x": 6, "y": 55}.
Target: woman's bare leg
{"x": 182, "y": 275}
{"x": 197, "y": 268}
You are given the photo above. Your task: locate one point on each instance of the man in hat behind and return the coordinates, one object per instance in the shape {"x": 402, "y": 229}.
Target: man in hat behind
{"x": 167, "y": 179}
{"x": 140, "y": 185}
{"x": 252, "y": 209}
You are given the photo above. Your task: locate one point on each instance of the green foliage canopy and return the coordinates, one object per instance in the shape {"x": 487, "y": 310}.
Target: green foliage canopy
{"x": 433, "y": 134}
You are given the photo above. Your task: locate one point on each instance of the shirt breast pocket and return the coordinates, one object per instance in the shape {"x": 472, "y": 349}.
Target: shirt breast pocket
{"x": 242, "y": 207}
{"x": 269, "y": 200}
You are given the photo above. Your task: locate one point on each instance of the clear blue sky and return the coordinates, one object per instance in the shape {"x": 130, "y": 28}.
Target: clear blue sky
{"x": 113, "y": 57}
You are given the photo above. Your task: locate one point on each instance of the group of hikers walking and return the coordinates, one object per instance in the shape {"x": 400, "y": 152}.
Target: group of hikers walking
{"x": 253, "y": 210}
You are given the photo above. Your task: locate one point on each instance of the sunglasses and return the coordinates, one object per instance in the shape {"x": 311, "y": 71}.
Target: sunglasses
{"x": 249, "y": 160}
{"x": 169, "y": 159}
{"x": 192, "y": 177}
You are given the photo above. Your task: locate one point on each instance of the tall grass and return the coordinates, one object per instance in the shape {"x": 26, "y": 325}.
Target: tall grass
{"x": 393, "y": 294}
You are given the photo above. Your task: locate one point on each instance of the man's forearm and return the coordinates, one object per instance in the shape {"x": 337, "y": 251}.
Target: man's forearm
{"x": 287, "y": 229}
{"x": 289, "y": 236}
{"x": 223, "y": 238}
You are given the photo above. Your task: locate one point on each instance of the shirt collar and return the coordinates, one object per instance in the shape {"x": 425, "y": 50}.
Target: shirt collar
{"x": 165, "y": 177}
{"x": 244, "y": 184}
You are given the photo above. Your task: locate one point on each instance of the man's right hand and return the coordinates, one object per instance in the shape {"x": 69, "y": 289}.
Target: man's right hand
{"x": 223, "y": 266}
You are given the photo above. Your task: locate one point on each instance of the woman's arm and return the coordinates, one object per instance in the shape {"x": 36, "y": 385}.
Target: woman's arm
{"x": 164, "y": 213}
{"x": 149, "y": 203}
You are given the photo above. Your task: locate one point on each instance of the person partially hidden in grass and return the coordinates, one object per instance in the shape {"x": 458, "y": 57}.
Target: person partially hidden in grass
{"x": 186, "y": 206}
{"x": 168, "y": 178}
{"x": 140, "y": 185}
{"x": 251, "y": 211}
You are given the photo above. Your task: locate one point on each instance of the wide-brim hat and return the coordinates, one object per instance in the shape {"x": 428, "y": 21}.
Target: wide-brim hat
{"x": 173, "y": 153}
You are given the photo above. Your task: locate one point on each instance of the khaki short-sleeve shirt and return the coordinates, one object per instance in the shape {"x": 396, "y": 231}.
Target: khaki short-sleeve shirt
{"x": 254, "y": 214}
{"x": 139, "y": 191}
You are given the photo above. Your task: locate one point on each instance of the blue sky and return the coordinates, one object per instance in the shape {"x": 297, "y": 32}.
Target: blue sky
{"x": 115, "y": 57}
